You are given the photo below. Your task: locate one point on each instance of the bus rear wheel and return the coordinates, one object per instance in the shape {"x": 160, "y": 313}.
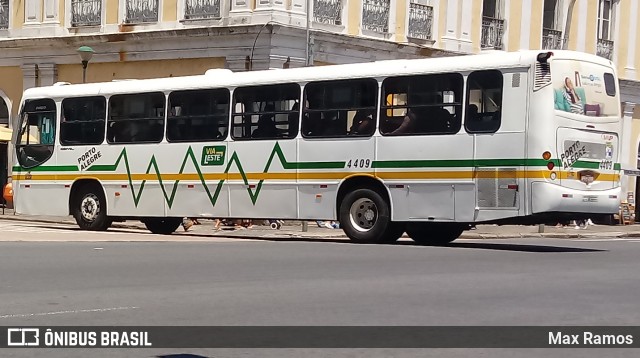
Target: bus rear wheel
{"x": 90, "y": 208}
{"x": 162, "y": 226}
{"x": 365, "y": 217}
{"x": 435, "y": 234}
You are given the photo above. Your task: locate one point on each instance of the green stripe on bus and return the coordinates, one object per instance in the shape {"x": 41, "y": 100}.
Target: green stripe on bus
{"x": 47, "y": 168}
{"x": 468, "y": 163}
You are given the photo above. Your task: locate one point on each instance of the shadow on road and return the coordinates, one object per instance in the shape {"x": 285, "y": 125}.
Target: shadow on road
{"x": 340, "y": 240}
{"x": 519, "y": 247}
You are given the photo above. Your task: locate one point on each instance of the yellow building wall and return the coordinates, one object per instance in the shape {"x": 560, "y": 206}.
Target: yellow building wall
{"x": 636, "y": 62}
{"x": 169, "y": 10}
{"x": 592, "y": 26}
{"x": 621, "y": 45}
{"x": 102, "y": 72}
{"x": 476, "y": 24}
{"x": 442, "y": 19}
{"x": 515, "y": 30}
{"x": 17, "y": 10}
{"x": 401, "y": 20}
{"x": 61, "y": 13}
{"x": 573, "y": 32}
{"x": 11, "y": 85}
{"x": 535, "y": 35}
{"x": 354, "y": 14}
{"x": 111, "y": 12}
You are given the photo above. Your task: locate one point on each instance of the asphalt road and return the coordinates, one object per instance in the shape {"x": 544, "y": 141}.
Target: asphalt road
{"x": 124, "y": 277}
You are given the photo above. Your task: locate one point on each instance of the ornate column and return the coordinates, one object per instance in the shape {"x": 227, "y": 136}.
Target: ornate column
{"x": 47, "y": 74}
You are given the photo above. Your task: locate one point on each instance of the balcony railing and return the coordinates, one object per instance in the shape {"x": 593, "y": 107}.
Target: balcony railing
{"x": 604, "y": 48}
{"x": 375, "y": 15}
{"x": 492, "y": 31}
{"x": 420, "y": 21}
{"x": 202, "y": 9}
{"x": 4, "y": 14}
{"x": 551, "y": 39}
{"x": 86, "y": 12}
{"x": 140, "y": 11}
{"x": 327, "y": 11}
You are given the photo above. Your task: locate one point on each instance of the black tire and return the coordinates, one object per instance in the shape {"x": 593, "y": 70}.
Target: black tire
{"x": 89, "y": 208}
{"x": 394, "y": 232}
{"x": 365, "y": 216}
{"x": 434, "y": 234}
{"x": 162, "y": 226}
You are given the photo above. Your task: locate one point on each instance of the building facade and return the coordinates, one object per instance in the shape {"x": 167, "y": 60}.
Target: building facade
{"x": 155, "y": 38}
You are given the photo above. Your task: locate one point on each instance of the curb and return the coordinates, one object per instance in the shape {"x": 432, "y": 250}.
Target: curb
{"x": 291, "y": 234}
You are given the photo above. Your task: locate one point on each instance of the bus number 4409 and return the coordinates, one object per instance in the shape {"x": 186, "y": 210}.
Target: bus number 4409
{"x": 606, "y": 164}
{"x": 359, "y": 163}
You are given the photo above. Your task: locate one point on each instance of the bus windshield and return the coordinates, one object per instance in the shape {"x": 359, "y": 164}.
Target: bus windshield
{"x": 584, "y": 88}
{"x": 35, "y": 139}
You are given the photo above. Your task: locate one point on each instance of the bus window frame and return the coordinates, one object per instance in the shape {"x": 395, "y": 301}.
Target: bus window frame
{"x": 467, "y": 120}
{"x": 170, "y": 116}
{"x": 110, "y": 122}
{"x": 306, "y": 111}
{"x": 104, "y": 120}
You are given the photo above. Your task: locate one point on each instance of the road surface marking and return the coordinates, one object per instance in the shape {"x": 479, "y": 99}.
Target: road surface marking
{"x": 66, "y": 312}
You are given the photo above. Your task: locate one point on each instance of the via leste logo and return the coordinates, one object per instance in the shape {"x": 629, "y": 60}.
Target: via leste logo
{"x": 23, "y": 337}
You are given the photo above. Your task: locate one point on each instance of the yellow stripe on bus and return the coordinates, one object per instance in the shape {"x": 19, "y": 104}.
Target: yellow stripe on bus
{"x": 462, "y": 174}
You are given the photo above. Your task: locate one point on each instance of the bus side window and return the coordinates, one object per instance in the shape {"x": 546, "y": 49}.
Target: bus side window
{"x": 484, "y": 101}
{"x": 265, "y": 112}
{"x": 332, "y": 107}
{"x": 136, "y": 118}
{"x": 422, "y": 104}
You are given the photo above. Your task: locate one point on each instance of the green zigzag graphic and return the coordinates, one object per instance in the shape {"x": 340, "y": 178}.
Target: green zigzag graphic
{"x": 213, "y": 198}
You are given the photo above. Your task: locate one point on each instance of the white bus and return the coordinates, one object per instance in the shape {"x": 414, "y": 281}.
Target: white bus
{"x": 426, "y": 146}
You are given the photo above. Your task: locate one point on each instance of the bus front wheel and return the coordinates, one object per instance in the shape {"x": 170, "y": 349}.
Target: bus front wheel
{"x": 90, "y": 208}
{"x": 365, "y": 217}
{"x": 435, "y": 234}
{"x": 162, "y": 226}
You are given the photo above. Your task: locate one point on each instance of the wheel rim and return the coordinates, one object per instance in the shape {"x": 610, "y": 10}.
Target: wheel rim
{"x": 90, "y": 207}
{"x": 363, "y": 214}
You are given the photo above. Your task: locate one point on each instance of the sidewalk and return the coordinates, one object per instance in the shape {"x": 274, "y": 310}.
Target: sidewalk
{"x": 293, "y": 229}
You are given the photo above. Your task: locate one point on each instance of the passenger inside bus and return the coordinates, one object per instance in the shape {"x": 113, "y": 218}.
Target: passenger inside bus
{"x": 266, "y": 124}
{"x": 363, "y": 123}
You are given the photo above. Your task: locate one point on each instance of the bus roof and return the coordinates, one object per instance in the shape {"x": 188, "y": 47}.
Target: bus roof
{"x": 225, "y": 78}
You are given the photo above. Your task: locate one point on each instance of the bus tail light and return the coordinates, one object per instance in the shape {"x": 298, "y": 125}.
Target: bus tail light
{"x": 550, "y": 165}
{"x": 567, "y": 195}
{"x": 546, "y": 155}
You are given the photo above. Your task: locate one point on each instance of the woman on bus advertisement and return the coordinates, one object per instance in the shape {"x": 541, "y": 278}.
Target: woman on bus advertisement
{"x": 583, "y": 89}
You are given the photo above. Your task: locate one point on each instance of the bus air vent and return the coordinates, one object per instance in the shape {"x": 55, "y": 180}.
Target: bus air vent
{"x": 543, "y": 76}
{"x": 497, "y": 188}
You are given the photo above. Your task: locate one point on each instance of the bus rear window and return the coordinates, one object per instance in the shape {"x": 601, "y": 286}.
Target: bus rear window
{"x": 609, "y": 84}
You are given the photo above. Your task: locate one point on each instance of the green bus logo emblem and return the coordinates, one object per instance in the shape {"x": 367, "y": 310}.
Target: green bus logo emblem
{"x": 213, "y": 155}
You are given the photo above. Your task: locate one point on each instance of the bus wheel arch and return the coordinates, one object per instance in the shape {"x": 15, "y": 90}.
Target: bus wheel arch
{"x": 88, "y": 205}
{"x": 363, "y": 207}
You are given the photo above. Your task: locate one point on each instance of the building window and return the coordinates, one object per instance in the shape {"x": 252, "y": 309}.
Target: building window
{"x": 484, "y": 101}
{"x": 426, "y": 104}
{"x": 551, "y": 35}
{"x": 604, "y": 46}
{"x": 375, "y": 15}
{"x": 266, "y": 112}
{"x": 136, "y": 118}
{"x": 327, "y": 11}
{"x": 198, "y": 115}
{"x": 340, "y": 108}
{"x": 82, "y": 121}
{"x": 86, "y": 12}
{"x": 492, "y": 25}
{"x": 141, "y": 11}
{"x": 202, "y": 9}
{"x": 420, "y": 21}
{"x": 4, "y": 14}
